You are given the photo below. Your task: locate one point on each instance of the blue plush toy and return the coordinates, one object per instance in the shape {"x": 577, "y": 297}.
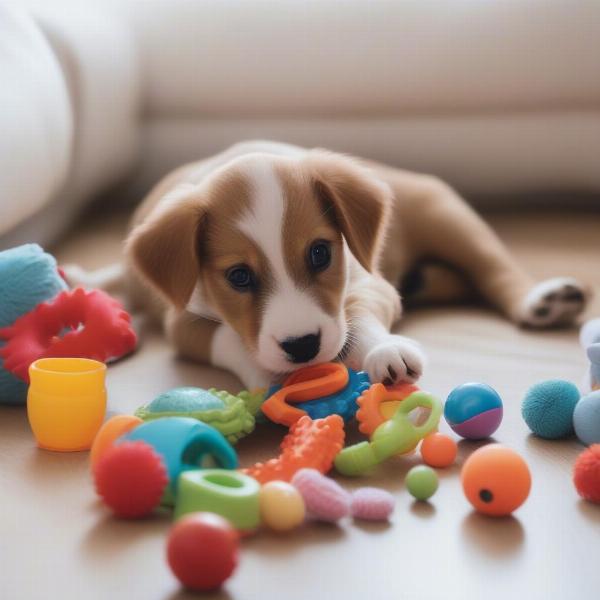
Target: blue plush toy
{"x": 548, "y": 408}
{"x": 28, "y": 276}
{"x": 586, "y": 419}
{"x": 590, "y": 340}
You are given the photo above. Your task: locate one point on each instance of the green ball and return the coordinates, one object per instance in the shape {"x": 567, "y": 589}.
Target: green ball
{"x": 422, "y": 482}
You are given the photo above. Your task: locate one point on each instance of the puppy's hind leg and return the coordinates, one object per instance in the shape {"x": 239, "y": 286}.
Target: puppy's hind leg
{"x": 448, "y": 229}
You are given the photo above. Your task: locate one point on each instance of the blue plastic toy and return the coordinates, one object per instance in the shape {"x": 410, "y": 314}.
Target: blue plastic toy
{"x": 590, "y": 340}
{"x": 184, "y": 444}
{"x": 586, "y": 419}
{"x": 28, "y": 276}
{"x": 342, "y": 403}
{"x": 473, "y": 410}
{"x": 548, "y": 408}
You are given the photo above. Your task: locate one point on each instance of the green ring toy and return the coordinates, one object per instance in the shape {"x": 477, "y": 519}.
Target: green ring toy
{"x": 395, "y": 436}
{"x": 233, "y": 416}
{"x": 230, "y": 494}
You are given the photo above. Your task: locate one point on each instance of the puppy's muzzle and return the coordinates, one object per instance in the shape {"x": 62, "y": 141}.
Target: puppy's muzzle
{"x": 301, "y": 349}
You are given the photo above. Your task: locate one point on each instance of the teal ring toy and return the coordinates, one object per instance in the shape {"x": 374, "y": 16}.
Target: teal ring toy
{"x": 184, "y": 444}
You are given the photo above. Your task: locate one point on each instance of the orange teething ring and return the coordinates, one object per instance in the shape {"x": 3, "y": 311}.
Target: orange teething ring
{"x": 372, "y": 409}
{"x": 309, "y": 444}
{"x": 304, "y": 384}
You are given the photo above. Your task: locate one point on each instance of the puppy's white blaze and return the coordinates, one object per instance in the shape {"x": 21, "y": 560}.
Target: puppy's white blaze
{"x": 289, "y": 312}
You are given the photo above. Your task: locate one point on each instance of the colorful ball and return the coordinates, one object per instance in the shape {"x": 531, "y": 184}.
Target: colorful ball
{"x": 131, "y": 479}
{"x": 281, "y": 506}
{"x": 372, "y": 504}
{"x": 421, "y": 482}
{"x": 202, "y": 550}
{"x": 586, "y": 419}
{"x": 495, "y": 480}
{"x": 473, "y": 410}
{"x": 438, "y": 450}
{"x": 548, "y": 408}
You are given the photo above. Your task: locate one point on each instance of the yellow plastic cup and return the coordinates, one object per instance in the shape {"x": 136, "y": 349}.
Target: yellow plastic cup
{"x": 66, "y": 402}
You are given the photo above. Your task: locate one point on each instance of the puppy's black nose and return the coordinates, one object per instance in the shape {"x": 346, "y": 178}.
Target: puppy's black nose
{"x": 301, "y": 349}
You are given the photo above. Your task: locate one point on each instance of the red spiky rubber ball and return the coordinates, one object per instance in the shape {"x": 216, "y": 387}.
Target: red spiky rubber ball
{"x": 131, "y": 478}
{"x": 202, "y": 550}
{"x": 586, "y": 474}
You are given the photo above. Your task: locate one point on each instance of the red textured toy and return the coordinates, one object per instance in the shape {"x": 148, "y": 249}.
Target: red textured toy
{"x": 100, "y": 329}
{"x": 586, "y": 474}
{"x": 202, "y": 550}
{"x": 131, "y": 478}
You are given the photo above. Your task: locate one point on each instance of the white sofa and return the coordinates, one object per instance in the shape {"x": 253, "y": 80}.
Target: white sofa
{"x": 501, "y": 98}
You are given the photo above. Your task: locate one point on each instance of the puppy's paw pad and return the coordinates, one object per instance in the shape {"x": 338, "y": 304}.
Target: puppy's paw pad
{"x": 394, "y": 360}
{"x": 557, "y": 301}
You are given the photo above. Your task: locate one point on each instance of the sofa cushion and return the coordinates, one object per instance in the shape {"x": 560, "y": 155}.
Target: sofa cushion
{"x": 240, "y": 57}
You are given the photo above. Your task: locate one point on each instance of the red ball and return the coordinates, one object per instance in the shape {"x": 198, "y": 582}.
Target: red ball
{"x": 438, "y": 450}
{"x": 586, "y": 474}
{"x": 202, "y": 550}
{"x": 131, "y": 478}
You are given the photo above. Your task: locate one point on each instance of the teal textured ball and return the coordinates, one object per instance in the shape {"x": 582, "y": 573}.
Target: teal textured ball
{"x": 548, "y": 408}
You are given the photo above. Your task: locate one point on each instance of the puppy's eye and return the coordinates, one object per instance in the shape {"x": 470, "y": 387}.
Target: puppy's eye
{"x": 240, "y": 278}
{"x": 319, "y": 255}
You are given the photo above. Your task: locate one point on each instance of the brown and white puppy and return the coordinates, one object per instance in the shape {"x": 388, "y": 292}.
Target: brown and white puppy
{"x": 269, "y": 257}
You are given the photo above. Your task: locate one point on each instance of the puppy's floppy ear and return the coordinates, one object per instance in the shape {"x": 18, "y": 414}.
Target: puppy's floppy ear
{"x": 358, "y": 202}
{"x": 164, "y": 247}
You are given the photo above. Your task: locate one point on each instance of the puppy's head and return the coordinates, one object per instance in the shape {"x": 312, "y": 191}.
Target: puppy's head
{"x": 264, "y": 242}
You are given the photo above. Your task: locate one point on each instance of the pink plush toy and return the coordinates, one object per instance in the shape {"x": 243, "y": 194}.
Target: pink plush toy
{"x": 325, "y": 500}
{"x": 372, "y": 504}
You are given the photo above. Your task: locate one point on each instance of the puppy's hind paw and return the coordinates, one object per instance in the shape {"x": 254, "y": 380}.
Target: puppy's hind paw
{"x": 554, "y": 302}
{"x": 393, "y": 360}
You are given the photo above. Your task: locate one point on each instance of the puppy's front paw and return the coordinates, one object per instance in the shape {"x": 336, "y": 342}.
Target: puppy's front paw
{"x": 393, "y": 360}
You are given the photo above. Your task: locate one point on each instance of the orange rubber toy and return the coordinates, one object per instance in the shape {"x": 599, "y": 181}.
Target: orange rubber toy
{"x": 304, "y": 384}
{"x": 114, "y": 428}
{"x": 378, "y": 404}
{"x": 309, "y": 444}
{"x": 496, "y": 480}
{"x": 438, "y": 450}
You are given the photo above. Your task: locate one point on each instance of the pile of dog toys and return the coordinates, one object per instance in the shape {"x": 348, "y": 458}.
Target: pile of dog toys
{"x": 178, "y": 450}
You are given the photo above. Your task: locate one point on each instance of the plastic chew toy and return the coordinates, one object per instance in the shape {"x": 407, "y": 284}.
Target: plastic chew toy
{"x": 590, "y": 340}
{"x": 112, "y": 429}
{"x": 325, "y": 499}
{"x": 100, "y": 329}
{"x": 183, "y": 444}
{"x": 202, "y": 551}
{"x": 66, "y": 402}
{"x": 495, "y": 480}
{"x": 230, "y": 494}
{"x": 227, "y": 413}
{"x": 395, "y": 436}
{"x": 586, "y": 474}
{"x": 281, "y": 506}
{"x": 473, "y": 410}
{"x": 548, "y": 408}
{"x": 131, "y": 479}
{"x": 28, "y": 276}
{"x": 438, "y": 450}
{"x": 309, "y": 444}
{"x": 302, "y": 385}
{"x": 372, "y": 504}
{"x": 378, "y": 404}
{"x": 586, "y": 419}
{"x": 421, "y": 482}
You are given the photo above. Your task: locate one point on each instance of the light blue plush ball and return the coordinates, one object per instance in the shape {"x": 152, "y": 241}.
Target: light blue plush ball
{"x": 586, "y": 419}
{"x": 548, "y": 408}
{"x": 28, "y": 276}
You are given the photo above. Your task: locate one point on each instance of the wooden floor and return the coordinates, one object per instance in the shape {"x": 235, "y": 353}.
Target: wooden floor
{"x": 57, "y": 542}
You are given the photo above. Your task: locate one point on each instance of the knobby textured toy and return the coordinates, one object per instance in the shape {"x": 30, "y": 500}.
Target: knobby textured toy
{"x": 590, "y": 340}
{"x": 28, "y": 276}
{"x": 586, "y": 474}
{"x": 548, "y": 408}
